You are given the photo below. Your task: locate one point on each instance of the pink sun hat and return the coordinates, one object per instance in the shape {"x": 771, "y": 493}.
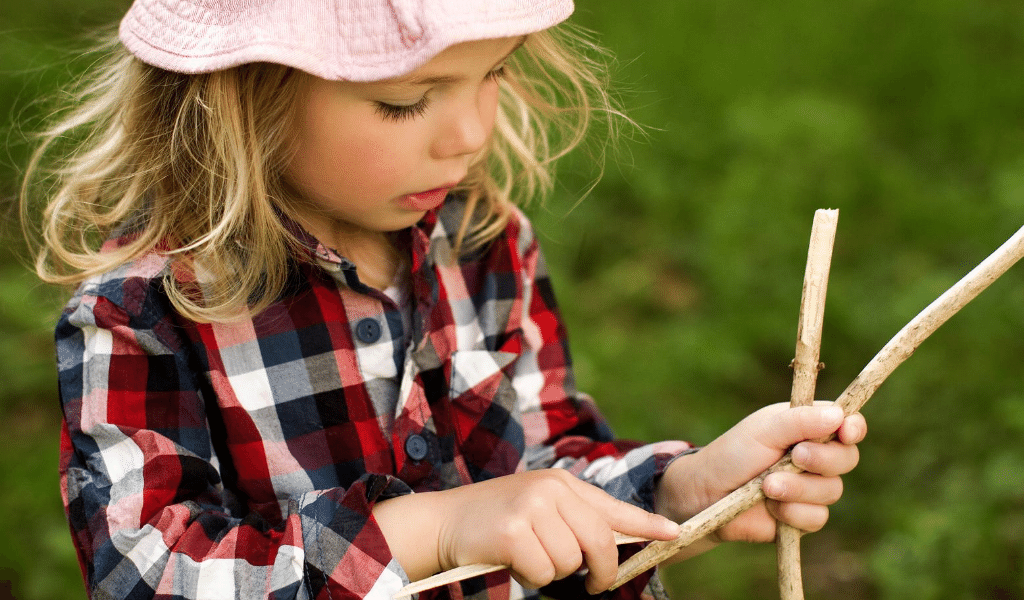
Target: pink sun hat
{"x": 354, "y": 40}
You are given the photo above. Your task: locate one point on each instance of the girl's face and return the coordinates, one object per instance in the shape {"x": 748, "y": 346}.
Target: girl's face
{"x": 374, "y": 157}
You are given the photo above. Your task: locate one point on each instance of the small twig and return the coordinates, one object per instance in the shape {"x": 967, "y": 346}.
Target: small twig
{"x": 897, "y": 350}
{"x": 467, "y": 571}
{"x": 805, "y": 375}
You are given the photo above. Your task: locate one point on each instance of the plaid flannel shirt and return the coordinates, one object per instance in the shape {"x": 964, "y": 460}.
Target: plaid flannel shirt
{"x": 242, "y": 459}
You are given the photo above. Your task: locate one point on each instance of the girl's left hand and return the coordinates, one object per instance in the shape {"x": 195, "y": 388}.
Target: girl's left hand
{"x": 694, "y": 482}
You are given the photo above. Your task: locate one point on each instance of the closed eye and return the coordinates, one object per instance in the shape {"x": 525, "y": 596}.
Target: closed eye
{"x": 402, "y": 112}
{"x": 396, "y": 112}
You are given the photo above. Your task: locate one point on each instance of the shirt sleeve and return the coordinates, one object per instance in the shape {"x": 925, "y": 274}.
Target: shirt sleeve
{"x": 142, "y": 483}
{"x": 563, "y": 426}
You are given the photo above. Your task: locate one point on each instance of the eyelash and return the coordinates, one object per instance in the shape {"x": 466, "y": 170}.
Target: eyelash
{"x": 394, "y": 112}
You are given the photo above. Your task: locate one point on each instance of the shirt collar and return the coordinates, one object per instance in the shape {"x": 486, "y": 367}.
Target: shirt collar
{"x": 416, "y": 238}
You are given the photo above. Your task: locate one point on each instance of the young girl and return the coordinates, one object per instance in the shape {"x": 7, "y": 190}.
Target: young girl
{"x": 314, "y": 351}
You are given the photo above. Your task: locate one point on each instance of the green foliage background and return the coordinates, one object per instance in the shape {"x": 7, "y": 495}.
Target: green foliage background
{"x": 680, "y": 274}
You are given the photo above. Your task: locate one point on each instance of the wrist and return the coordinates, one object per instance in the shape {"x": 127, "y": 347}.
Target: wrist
{"x": 678, "y": 494}
{"x": 411, "y": 527}
{"x": 681, "y": 494}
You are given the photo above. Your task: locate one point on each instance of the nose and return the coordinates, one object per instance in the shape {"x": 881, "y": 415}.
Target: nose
{"x": 467, "y": 126}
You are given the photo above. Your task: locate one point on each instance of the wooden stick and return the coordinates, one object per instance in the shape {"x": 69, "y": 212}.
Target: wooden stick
{"x": 805, "y": 375}
{"x": 468, "y": 571}
{"x": 860, "y": 390}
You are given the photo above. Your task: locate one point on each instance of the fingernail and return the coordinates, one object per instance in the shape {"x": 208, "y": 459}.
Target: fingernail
{"x": 801, "y": 455}
{"x": 773, "y": 488}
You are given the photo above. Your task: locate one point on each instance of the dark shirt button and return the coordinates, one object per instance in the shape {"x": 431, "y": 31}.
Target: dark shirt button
{"x": 416, "y": 447}
{"x": 368, "y": 331}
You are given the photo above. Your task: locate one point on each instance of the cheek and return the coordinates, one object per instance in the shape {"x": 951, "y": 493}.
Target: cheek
{"x": 362, "y": 163}
{"x": 341, "y": 153}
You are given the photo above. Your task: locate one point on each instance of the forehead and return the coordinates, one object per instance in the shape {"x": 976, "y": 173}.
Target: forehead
{"x": 461, "y": 61}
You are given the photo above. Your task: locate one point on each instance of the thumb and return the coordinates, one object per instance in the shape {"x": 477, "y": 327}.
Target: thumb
{"x": 795, "y": 425}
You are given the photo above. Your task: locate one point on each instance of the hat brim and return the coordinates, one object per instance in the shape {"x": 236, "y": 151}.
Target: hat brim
{"x": 353, "y": 40}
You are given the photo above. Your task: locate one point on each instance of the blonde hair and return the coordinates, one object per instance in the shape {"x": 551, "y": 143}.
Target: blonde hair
{"x": 192, "y": 166}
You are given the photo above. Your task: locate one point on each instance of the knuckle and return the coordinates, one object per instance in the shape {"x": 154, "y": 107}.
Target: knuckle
{"x": 605, "y": 544}
{"x": 568, "y": 563}
{"x": 561, "y": 474}
{"x": 550, "y": 483}
{"x": 512, "y": 530}
{"x": 622, "y": 511}
{"x": 536, "y": 577}
{"x": 537, "y": 501}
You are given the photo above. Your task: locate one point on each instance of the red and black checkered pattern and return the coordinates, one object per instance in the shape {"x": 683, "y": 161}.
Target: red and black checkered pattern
{"x": 242, "y": 459}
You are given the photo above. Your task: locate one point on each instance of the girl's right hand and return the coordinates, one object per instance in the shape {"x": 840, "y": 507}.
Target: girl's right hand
{"x": 544, "y": 525}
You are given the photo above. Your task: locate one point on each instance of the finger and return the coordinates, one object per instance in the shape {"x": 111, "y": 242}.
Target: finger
{"x": 529, "y": 562}
{"x": 830, "y": 459}
{"x": 805, "y": 517}
{"x": 801, "y": 423}
{"x": 756, "y": 525}
{"x": 625, "y": 517}
{"x": 804, "y": 488}
{"x": 597, "y": 543}
{"x": 854, "y": 427}
{"x": 853, "y": 430}
{"x": 559, "y": 541}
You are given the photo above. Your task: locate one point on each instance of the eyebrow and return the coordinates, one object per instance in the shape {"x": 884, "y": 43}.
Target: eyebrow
{"x": 446, "y": 79}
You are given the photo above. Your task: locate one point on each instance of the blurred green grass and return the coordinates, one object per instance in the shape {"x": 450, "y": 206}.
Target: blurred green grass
{"x": 680, "y": 274}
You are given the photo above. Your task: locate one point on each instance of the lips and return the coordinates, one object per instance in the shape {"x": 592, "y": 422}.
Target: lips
{"x": 424, "y": 201}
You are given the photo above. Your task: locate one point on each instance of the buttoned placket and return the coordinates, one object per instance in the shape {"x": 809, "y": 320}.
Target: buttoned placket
{"x": 409, "y": 423}
{"x": 415, "y": 432}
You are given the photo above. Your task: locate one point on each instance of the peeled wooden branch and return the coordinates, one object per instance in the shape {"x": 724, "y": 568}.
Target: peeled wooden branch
{"x": 805, "y": 374}
{"x": 897, "y": 350}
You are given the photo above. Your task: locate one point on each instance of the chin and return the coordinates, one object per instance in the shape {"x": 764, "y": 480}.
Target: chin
{"x": 401, "y": 222}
